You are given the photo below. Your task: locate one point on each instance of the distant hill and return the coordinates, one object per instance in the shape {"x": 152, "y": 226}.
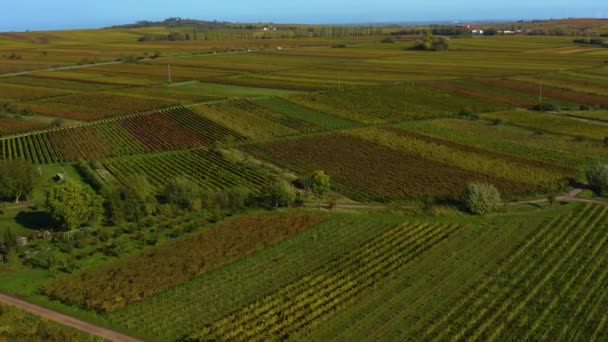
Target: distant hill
{"x": 176, "y": 22}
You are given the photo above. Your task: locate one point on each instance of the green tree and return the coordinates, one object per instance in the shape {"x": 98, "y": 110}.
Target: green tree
{"x": 73, "y": 205}
{"x": 440, "y": 44}
{"x": 183, "y": 192}
{"x": 597, "y": 177}
{"x": 238, "y": 198}
{"x": 425, "y": 41}
{"x": 319, "y": 183}
{"x": 429, "y": 42}
{"x": 138, "y": 198}
{"x": 482, "y": 198}
{"x": 279, "y": 194}
{"x": 17, "y": 179}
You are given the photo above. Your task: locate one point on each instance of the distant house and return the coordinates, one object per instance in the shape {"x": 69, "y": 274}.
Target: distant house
{"x": 479, "y": 32}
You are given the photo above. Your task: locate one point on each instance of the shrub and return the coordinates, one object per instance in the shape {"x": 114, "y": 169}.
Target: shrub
{"x": 482, "y": 198}
{"x": 280, "y": 194}
{"x": 597, "y": 176}
{"x": 388, "y": 41}
{"x": 182, "y": 192}
{"x": 546, "y": 107}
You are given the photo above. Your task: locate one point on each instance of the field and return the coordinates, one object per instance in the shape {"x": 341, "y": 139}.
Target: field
{"x": 171, "y": 129}
{"x": 209, "y": 169}
{"x": 199, "y": 254}
{"x": 368, "y": 171}
{"x": 390, "y": 252}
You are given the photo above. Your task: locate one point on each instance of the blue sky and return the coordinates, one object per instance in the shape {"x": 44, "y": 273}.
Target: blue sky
{"x": 62, "y": 14}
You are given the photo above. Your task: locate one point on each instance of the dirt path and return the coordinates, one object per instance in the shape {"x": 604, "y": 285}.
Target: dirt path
{"x": 66, "y": 320}
{"x": 567, "y": 197}
{"x": 20, "y": 206}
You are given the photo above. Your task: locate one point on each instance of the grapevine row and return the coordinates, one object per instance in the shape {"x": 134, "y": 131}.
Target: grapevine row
{"x": 314, "y": 297}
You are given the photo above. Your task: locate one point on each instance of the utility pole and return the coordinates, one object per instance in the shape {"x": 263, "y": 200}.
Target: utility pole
{"x": 540, "y": 93}
{"x": 169, "y": 72}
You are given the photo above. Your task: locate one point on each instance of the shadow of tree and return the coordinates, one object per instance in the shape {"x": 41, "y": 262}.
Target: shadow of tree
{"x": 36, "y": 220}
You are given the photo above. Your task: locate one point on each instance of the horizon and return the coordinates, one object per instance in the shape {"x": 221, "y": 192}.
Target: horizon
{"x": 69, "y": 14}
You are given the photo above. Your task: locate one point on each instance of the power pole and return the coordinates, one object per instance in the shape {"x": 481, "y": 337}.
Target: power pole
{"x": 169, "y": 72}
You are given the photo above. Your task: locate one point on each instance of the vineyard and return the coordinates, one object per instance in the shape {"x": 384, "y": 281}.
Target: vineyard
{"x": 206, "y": 168}
{"x": 552, "y": 123}
{"x": 138, "y": 277}
{"x": 171, "y": 129}
{"x": 510, "y": 140}
{"x": 552, "y": 287}
{"x": 537, "y": 175}
{"x": 314, "y": 297}
{"x": 368, "y": 171}
{"x": 215, "y": 294}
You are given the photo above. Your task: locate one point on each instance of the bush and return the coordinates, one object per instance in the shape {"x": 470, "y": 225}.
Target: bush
{"x": 546, "y": 107}
{"x": 482, "y": 198}
{"x": 280, "y": 194}
{"x": 388, "y": 41}
{"x": 597, "y": 176}
{"x": 468, "y": 114}
{"x": 182, "y": 192}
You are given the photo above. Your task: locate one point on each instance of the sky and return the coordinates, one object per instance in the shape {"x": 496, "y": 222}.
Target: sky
{"x": 22, "y": 15}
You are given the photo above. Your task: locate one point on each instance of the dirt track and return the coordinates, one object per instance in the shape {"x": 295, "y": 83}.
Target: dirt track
{"x": 66, "y": 320}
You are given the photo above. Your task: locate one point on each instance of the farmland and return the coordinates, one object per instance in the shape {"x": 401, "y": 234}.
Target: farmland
{"x": 305, "y": 182}
{"x": 368, "y": 171}
{"x": 237, "y": 236}
{"x": 208, "y": 169}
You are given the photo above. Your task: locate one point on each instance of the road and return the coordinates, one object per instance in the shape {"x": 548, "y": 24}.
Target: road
{"x": 66, "y": 320}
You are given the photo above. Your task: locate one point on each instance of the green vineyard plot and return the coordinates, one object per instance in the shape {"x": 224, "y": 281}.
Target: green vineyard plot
{"x": 208, "y": 169}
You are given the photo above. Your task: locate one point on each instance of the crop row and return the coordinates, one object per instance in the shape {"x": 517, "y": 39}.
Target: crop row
{"x": 208, "y": 169}
{"x": 135, "y": 278}
{"x": 551, "y": 287}
{"x": 316, "y": 296}
{"x": 172, "y": 129}
{"x": 552, "y": 123}
{"x": 368, "y": 171}
{"x": 213, "y": 295}
{"x": 511, "y": 140}
{"x": 538, "y": 175}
